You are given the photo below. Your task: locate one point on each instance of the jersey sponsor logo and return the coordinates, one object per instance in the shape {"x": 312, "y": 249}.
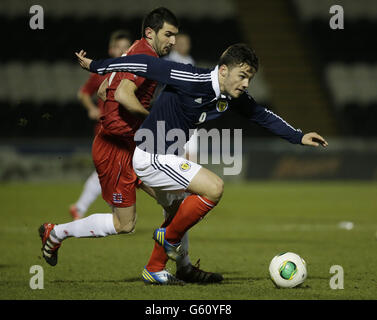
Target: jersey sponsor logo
{"x": 185, "y": 166}
{"x": 221, "y": 105}
{"x": 117, "y": 198}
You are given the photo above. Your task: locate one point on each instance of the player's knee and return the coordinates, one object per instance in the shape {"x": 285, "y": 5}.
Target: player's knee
{"x": 216, "y": 191}
{"x": 126, "y": 228}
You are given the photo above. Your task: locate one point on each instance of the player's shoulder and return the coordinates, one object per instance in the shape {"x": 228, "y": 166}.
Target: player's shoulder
{"x": 142, "y": 47}
{"x": 245, "y": 96}
{"x": 244, "y": 104}
{"x": 189, "y": 71}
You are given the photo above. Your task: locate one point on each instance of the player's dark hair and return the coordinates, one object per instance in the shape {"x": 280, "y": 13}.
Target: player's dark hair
{"x": 156, "y": 18}
{"x": 237, "y": 54}
{"x": 119, "y": 34}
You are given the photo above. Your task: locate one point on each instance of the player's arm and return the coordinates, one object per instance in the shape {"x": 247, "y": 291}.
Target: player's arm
{"x": 86, "y": 100}
{"x": 125, "y": 94}
{"x": 101, "y": 93}
{"x": 280, "y": 127}
{"x": 160, "y": 70}
{"x": 274, "y": 123}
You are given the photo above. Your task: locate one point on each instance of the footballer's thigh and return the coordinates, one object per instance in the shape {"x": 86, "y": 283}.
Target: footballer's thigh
{"x": 147, "y": 189}
{"x": 124, "y": 219}
{"x": 207, "y": 184}
{"x": 173, "y": 174}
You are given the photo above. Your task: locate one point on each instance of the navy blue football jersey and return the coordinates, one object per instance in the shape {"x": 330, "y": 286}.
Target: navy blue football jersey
{"x": 191, "y": 96}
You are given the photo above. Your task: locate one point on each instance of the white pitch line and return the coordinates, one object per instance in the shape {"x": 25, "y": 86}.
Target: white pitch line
{"x": 310, "y": 227}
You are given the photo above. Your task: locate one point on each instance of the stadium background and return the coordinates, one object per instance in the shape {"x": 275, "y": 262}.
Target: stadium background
{"x": 316, "y": 78}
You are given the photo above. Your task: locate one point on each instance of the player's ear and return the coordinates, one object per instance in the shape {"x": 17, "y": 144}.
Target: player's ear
{"x": 223, "y": 69}
{"x": 149, "y": 33}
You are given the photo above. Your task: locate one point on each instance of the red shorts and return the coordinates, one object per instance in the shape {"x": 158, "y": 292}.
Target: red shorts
{"x": 112, "y": 158}
{"x": 97, "y": 128}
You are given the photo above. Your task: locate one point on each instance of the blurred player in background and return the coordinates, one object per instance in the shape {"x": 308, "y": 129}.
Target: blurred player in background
{"x": 119, "y": 43}
{"x": 181, "y": 50}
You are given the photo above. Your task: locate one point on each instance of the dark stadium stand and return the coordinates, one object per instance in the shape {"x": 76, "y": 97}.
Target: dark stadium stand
{"x": 40, "y": 55}
{"x": 348, "y": 60}
{"x": 40, "y": 76}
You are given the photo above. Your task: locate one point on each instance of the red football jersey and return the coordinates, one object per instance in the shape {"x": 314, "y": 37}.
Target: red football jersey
{"x": 115, "y": 119}
{"x": 91, "y": 87}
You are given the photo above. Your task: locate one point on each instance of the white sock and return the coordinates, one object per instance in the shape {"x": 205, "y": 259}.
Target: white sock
{"x": 92, "y": 189}
{"x": 93, "y": 226}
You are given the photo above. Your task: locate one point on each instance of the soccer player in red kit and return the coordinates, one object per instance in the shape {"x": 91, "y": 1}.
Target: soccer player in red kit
{"x": 127, "y": 99}
{"x": 124, "y": 109}
{"x": 120, "y": 41}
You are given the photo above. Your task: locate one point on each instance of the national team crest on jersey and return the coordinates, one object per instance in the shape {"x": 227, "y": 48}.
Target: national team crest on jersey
{"x": 185, "y": 166}
{"x": 221, "y": 105}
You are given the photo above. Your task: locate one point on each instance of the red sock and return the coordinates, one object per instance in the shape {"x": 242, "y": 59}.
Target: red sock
{"x": 158, "y": 258}
{"x": 191, "y": 210}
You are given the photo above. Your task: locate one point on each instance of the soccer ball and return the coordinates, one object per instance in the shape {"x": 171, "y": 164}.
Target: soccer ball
{"x": 288, "y": 270}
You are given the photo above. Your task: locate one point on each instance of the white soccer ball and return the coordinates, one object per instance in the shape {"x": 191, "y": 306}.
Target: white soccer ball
{"x": 288, "y": 270}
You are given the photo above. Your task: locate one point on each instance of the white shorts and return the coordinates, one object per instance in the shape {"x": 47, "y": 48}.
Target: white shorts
{"x": 191, "y": 147}
{"x": 164, "y": 172}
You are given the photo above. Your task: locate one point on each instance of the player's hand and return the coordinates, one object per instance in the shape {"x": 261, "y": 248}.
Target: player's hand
{"x": 94, "y": 114}
{"x": 84, "y": 62}
{"x": 313, "y": 139}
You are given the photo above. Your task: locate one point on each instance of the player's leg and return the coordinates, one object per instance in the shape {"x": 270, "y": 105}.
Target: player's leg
{"x": 170, "y": 174}
{"x": 185, "y": 270}
{"x": 170, "y": 203}
{"x": 121, "y": 221}
{"x": 52, "y": 235}
{"x": 124, "y": 219}
{"x": 207, "y": 189}
{"x": 118, "y": 190}
{"x": 91, "y": 191}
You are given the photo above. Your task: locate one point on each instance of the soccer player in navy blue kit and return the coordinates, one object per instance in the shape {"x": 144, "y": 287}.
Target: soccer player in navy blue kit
{"x": 191, "y": 96}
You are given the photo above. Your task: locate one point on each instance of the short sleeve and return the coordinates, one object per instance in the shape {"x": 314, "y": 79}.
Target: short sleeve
{"x": 92, "y": 84}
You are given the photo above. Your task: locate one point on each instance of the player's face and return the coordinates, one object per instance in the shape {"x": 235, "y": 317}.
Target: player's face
{"x": 119, "y": 47}
{"x": 164, "y": 40}
{"x": 236, "y": 79}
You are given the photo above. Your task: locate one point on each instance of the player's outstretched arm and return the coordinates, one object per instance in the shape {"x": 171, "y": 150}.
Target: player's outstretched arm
{"x": 178, "y": 75}
{"x": 313, "y": 139}
{"x": 139, "y": 64}
{"x": 249, "y": 108}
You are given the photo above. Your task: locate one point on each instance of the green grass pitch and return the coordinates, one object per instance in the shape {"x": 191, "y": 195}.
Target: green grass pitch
{"x": 252, "y": 223}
